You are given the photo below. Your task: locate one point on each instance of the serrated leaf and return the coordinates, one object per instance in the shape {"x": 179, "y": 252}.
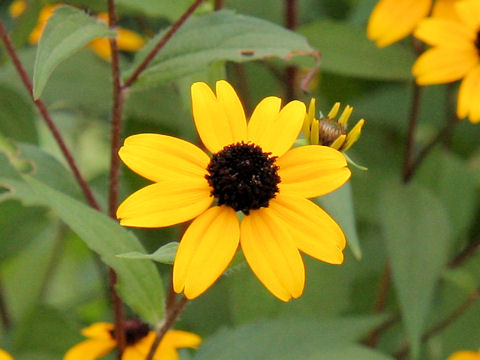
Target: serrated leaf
{"x": 347, "y": 51}
{"x": 221, "y": 35}
{"x": 339, "y": 204}
{"x": 165, "y": 254}
{"x": 416, "y": 230}
{"x": 67, "y": 31}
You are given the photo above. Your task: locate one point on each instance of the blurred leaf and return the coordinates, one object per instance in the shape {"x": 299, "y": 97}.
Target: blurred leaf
{"x": 339, "y": 204}
{"x": 349, "y": 352}
{"x": 282, "y": 339}
{"x": 66, "y": 32}
{"x": 139, "y": 283}
{"x": 165, "y": 254}
{"x": 16, "y": 116}
{"x": 346, "y": 50}
{"x": 221, "y": 35}
{"x": 462, "y": 278}
{"x": 171, "y": 10}
{"x": 417, "y": 232}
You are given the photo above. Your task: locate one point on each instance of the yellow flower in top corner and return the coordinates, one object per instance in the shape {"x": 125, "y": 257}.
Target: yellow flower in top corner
{"x": 465, "y": 355}
{"x": 17, "y": 8}
{"x": 139, "y": 339}
{"x": 252, "y": 171}
{"x": 454, "y": 55}
{"x": 127, "y": 40}
{"x": 392, "y": 20}
{"x": 5, "y": 356}
{"x": 329, "y": 131}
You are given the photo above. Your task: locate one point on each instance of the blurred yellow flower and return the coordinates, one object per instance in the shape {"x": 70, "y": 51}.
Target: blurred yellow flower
{"x": 139, "y": 341}
{"x": 329, "y": 131}
{"x": 465, "y": 355}
{"x": 392, "y": 20}
{"x": 454, "y": 55}
{"x": 252, "y": 170}
{"x": 127, "y": 40}
{"x": 4, "y": 355}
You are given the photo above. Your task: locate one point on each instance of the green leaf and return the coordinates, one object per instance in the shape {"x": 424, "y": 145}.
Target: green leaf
{"x": 347, "y": 51}
{"x": 221, "y": 35}
{"x": 339, "y": 204}
{"x": 16, "y": 116}
{"x": 349, "y": 352}
{"x": 282, "y": 339}
{"x": 171, "y": 10}
{"x": 67, "y": 31}
{"x": 417, "y": 232}
{"x": 165, "y": 254}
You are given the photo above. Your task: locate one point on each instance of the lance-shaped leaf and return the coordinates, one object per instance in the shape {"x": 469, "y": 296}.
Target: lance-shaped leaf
{"x": 222, "y": 35}
{"x": 67, "y": 31}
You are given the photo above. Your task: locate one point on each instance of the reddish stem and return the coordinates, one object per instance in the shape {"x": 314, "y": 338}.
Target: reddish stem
{"x": 290, "y": 23}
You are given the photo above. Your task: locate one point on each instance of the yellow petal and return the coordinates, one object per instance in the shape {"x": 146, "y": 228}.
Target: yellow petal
{"x": 217, "y": 126}
{"x": 165, "y": 203}
{"x": 206, "y": 249}
{"x": 445, "y": 33}
{"x": 469, "y": 13}
{"x": 4, "y": 355}
{"x": 338, "y": 143}
{"x": 98, "y": 331}
{"x": 17, "y": 8}
{"x": 334, "y": 110}
{"x": 275, "y": 131}
{"x": 160, "y": 157}
{"x": 128, "y": 40}
{"x": 181, "y": 339}
{"x": 445, "y": 9}
{"x": 313, "y": 231}
{"x": 133, "y": 352}
{"x": 101, "y": 47}
{"x": 442, "y": 65}
{"x": 272, "y": 255}
{"x": 469, "y": 95}
{"x": 90, "y": 350}
{"x": 464, "y": 355}
{"x": 45, "y": 14}
{"x": 312, "y": 170}
{"x": 392, "y": 20}
{"x": 353, "y": 135}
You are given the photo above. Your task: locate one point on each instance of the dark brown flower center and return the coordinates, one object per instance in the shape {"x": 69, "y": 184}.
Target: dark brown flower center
{"x": 329, "y": 131}
{"x": 135, "y": 330}
{"x": 243, "y": 177}
{"x": 477, "y": 41}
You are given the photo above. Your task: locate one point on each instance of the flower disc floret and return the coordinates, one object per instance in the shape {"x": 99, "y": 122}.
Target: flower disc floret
{"x": 243, "y": 177}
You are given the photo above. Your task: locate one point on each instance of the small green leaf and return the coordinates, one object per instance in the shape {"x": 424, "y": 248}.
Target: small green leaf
{"x": 67, "y": 31}
{"x": 339, "y": 204}
{"x": 417, "y": 232}
{"x": 165, "y": 254}
{"x": 221, "y": 35}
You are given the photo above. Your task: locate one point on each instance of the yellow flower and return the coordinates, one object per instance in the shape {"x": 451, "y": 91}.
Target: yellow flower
{"x": 454, "y": 56}
{"x": 4, "y": 355}
{"x": 253, "y": 171}
{"x": 392, "y": 20}
{"x": 465, "y": 355}
{"x": 17, "y": 8}
{"x": 329, "y": 131}
{"x": 127, "y": 40}
{"x": 139, "y": 340}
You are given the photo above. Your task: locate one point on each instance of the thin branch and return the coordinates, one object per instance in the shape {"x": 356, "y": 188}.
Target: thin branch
{"x": 291, "y": 24}
{"x": 218, "y": 5}
{"x": 46, "y": 116}
{"x": 170, "y": 319}
{"x": 403, "y": 352}
{"x": 162, "y": 43}
{"x": 116, "y": 131}
{"x": 465, "y": 253}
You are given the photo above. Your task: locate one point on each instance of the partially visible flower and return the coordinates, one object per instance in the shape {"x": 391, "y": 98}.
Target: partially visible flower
{"x": 4, "y": 355}
{"x": 454, "y": 56}
{"x": 127, "y": 40}
{"x": 392, "y": 20}
{"x": 253, "y": 171}
{"x": 139, "y": 339}
{"x": 465, "y": 355}
{"x": 17, "y": 8}
{"x": 329, "y": 131}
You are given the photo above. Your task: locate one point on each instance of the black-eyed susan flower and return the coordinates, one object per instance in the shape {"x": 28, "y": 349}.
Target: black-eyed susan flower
{"x": 465, "y": 355}
{"x": 127, "y": 40}
{"x": 139, "y": 340}
{"x": 259, "y": 185}
{"x": 392, "y": 20}
{"x": 4, "y": 355}
{"x": 454, "y": 55}
{"x": 328, "y": 130}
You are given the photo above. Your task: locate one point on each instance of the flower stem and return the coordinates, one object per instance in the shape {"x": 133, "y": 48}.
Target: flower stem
{"x": 172, "y": 314}
{"x": 291, "y": 24}
{"x": 116, "y": 131}
{"x": 161, "y": 43}
{"x": 46, "y": 117}
{"x": 466, "y": 253}
{"x": 218, "y": 5}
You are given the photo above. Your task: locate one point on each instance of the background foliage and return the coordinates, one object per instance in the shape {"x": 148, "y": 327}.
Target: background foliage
{"x": 52, "y": 245}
